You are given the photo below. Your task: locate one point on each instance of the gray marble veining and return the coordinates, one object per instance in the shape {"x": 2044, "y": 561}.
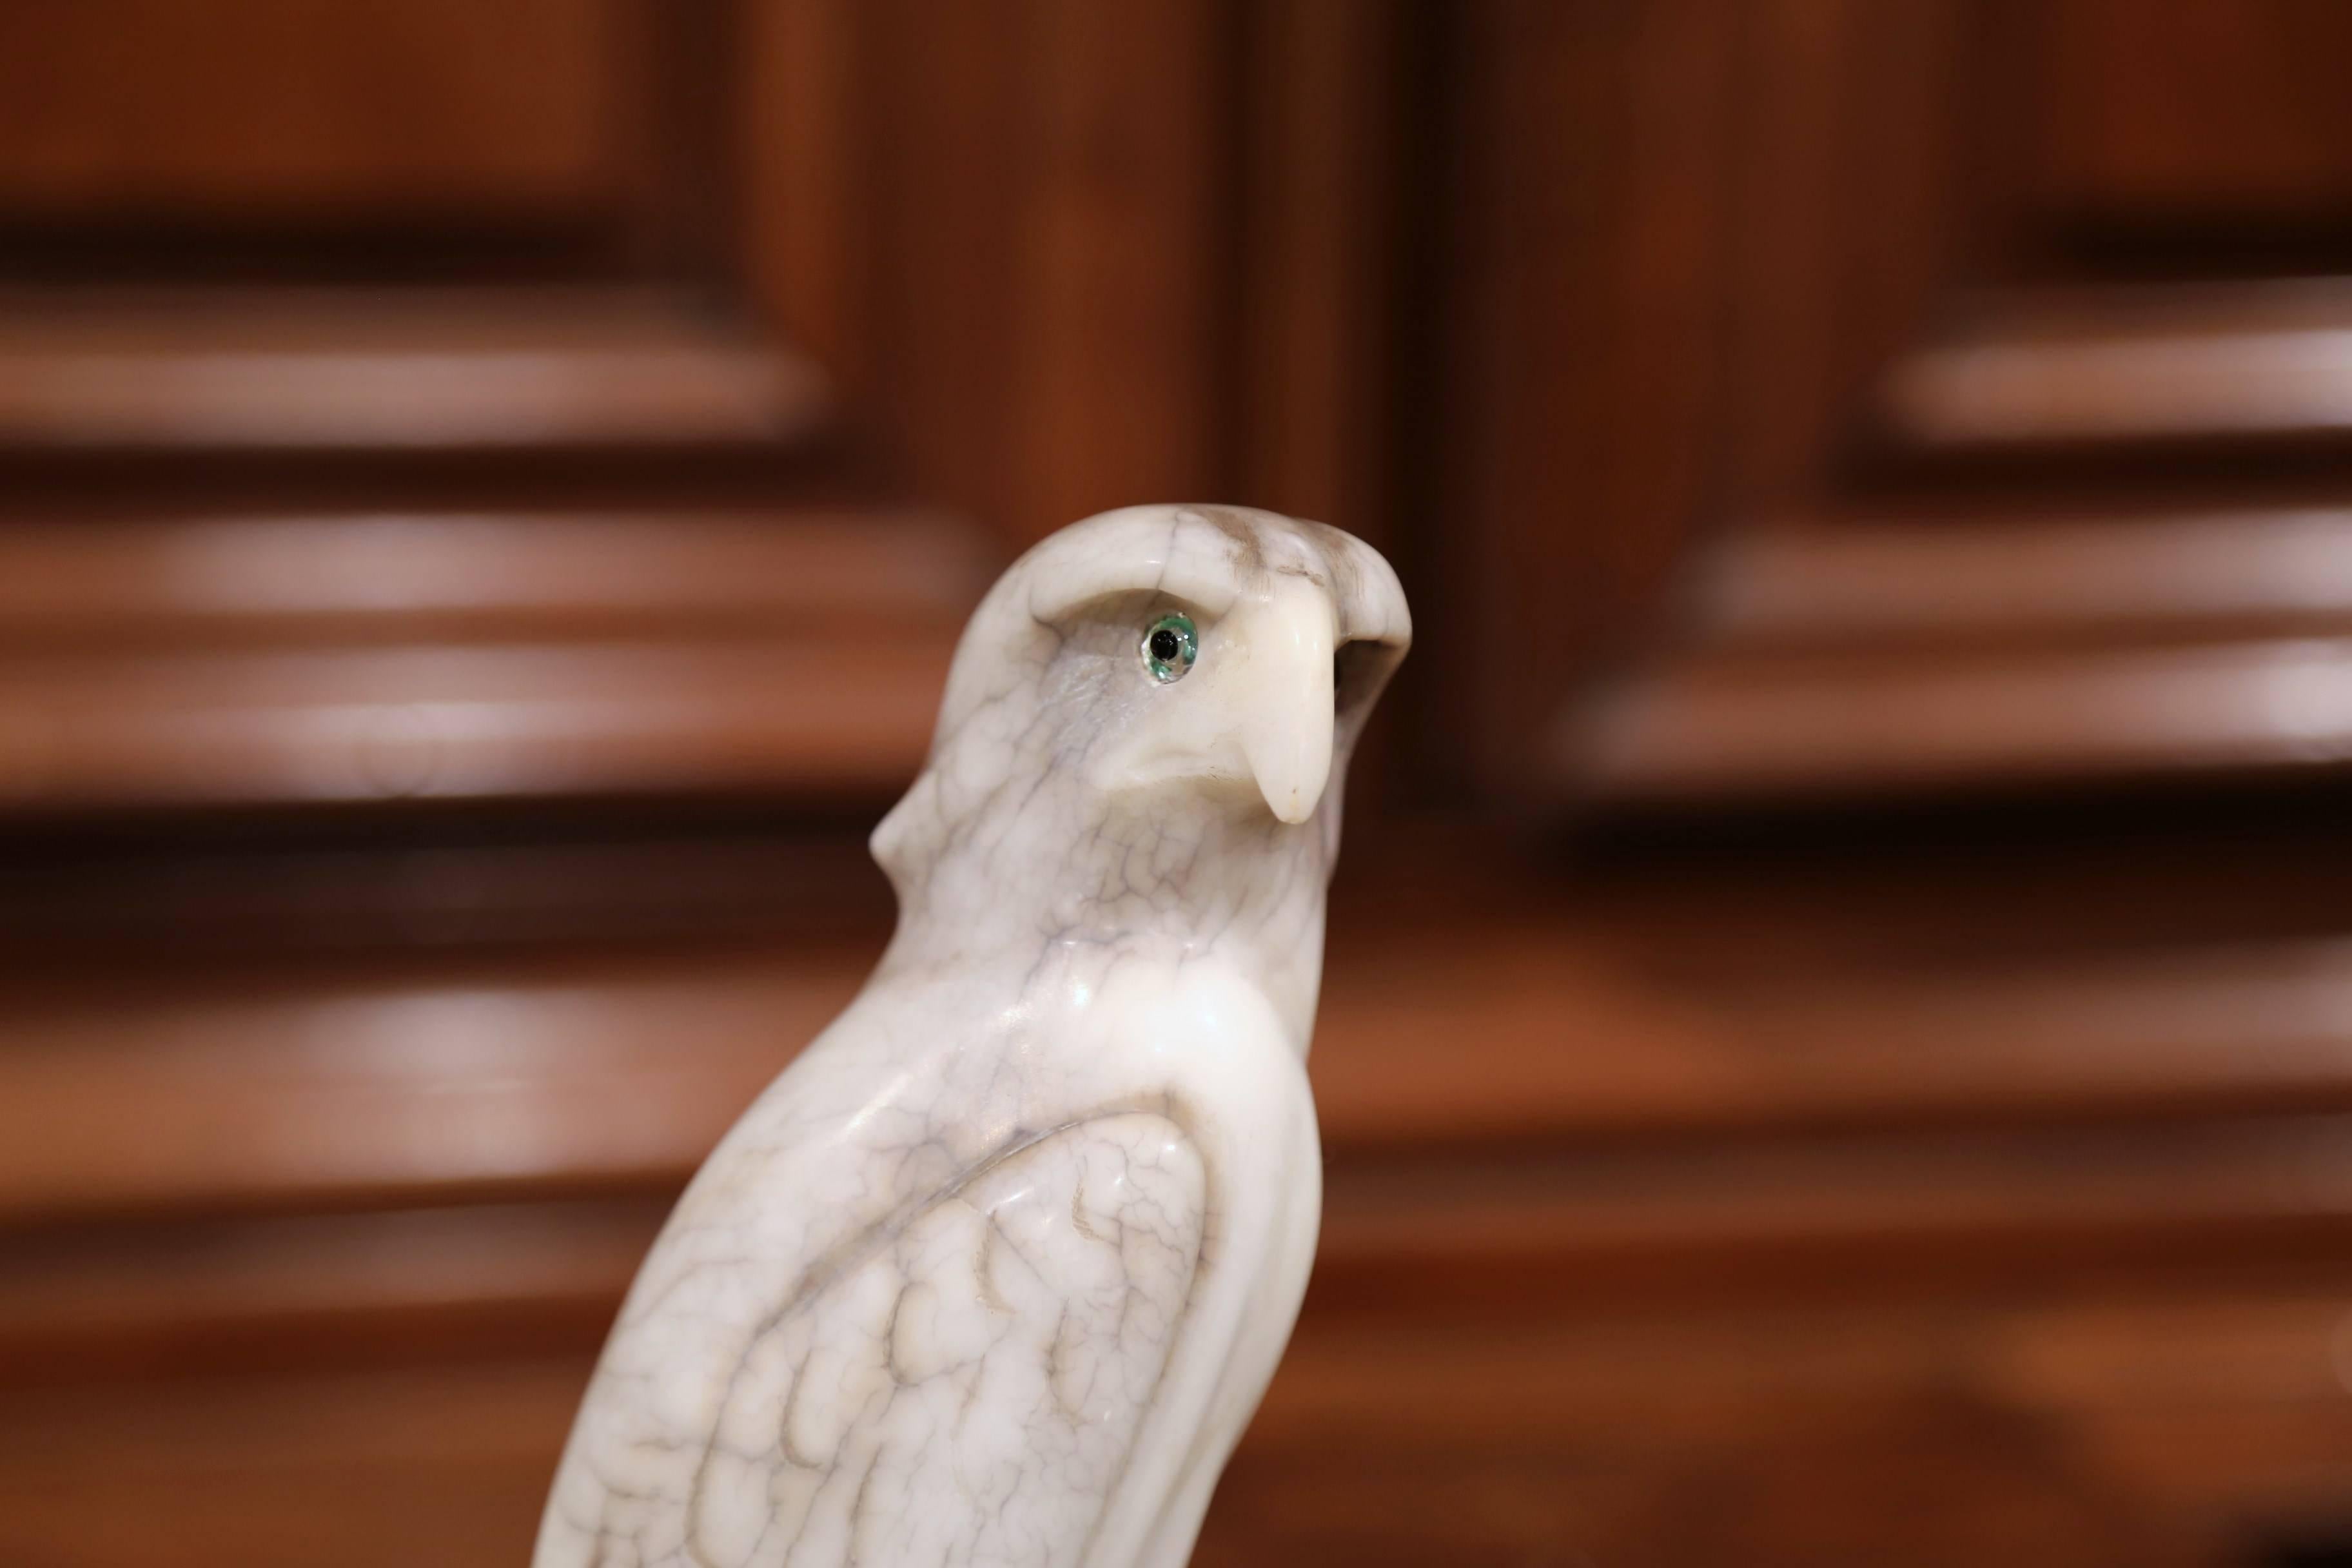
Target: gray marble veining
{"x": 998, "y": 1269}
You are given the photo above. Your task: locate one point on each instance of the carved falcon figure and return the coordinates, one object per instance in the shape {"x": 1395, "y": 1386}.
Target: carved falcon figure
{"x": 997, "y": 1271}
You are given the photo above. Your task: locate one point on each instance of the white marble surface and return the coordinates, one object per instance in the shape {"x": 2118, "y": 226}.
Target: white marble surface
{"x": 996, "y": 1272}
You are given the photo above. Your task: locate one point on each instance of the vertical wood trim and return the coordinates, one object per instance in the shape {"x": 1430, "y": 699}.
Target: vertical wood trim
{"x": 946, "y": 85}
{"x": 1122, "y": 256}
{"x": 1846, "y": 183}
{"x": 1020, "y": 234}
{"x": 1316, "y": 280}
{"x": 1590, "y": 312}
{"x": 804, "y": 217}
{"x": 679, "y": 163}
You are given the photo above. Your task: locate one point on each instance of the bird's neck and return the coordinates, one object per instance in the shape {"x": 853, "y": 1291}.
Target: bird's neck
{"x": 1054, "y": 914}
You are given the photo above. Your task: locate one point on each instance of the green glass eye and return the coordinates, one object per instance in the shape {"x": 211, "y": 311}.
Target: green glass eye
{"x": 1169, "y": 646}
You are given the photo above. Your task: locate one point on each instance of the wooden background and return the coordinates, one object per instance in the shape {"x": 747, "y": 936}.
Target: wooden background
{"x": 1838, "y": 1042}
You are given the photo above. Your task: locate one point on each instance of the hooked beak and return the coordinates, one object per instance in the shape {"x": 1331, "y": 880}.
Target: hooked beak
{"x": 1260, "y": 704}
{"x": 1278, "y": 650}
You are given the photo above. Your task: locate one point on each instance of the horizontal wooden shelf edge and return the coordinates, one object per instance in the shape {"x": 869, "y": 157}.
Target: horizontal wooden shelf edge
{"x": 178, "y": 582}
{"x": 389, "y": 371}
{"x": 1893, "y": 583}
{"x": 2234, "y": 1202}
{"x": 620, "y": 1078}
{"x": 2128, "y": 367}
{"x": 453, "y": 722}
{"x": 1862, "y": 721}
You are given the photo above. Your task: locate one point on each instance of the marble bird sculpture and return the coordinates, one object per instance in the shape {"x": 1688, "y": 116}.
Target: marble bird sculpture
{"x": 997, "y": 1271}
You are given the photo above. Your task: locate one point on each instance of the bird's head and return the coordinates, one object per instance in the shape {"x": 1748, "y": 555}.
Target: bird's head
{"x": 1158, "y": 664}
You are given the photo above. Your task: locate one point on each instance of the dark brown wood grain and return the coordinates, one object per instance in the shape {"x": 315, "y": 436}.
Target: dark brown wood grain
{"x": 2143, "y": 367}
{"x": 279, "y": 578}
{"x": 1319, "y": 276}
{"x": 295, "y": 104}
{"x": 1879, "y": 577}
{"x": 1836, "y": 1043}
{"x": 229, "y": 371}
{"x": 619, "y": 1073}
{"x": 1866, "y": 722}
{"x": 271, "y": 727}
{"x": 2203, "y": 110}
{"x": 1587, "y": 295}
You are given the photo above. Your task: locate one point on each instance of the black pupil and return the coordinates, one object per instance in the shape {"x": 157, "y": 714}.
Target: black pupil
{"x": 1166, "y": 645}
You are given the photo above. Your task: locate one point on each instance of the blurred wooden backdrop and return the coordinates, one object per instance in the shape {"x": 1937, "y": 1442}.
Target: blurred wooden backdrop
{"x": 1838, "y": 1043}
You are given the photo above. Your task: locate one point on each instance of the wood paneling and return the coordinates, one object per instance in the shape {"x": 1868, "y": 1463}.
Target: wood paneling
{"x": 2091, "y": 1039}
{"x": 1612, "y": 1441}
{"x": 377, "y": 1081}
{"x": 1922, "y": 390}
{"x": 2199, "y": 111}
{"x": 1839, "y": 1225}
{"x": 460, "y": 616}
{"x": 387, "y": 1465}
{"x": 1587, "y": 352}
{"x": 469, "y": 723}
{"x": 475, "y": 594}
{"x": 2067, "y": 1422}
{"x": 805, "y": 228}
{"x": 1921, "y": 579}
{"x": 432, "y": 372}
{"x": 1975, "y": 462}
{"x": 294, "y": 1293}
{"x": 1850, "y": 153}
{"x": 293, "y": 106}
{"x": 434, "y": 1090}
{"x": 275, "y": 889}
{"x": 386, "y": 576}
{"x": 1849, "y": 1401}
{"x": 1843, "y": 724}
{"x": 2182, "y": 366}
{"x": 1321, "y": 220}
{"x": 1055, "y": 259}
{"x": 1684, "y": 1438}
{"x": 1898, "y": 652}
{"x": 344, "y": 659}
{"x": 250, "y": 661}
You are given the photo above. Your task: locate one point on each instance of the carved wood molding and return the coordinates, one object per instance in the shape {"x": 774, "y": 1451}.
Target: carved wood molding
{"x": 556, "y": 1078}
{"x": 415, "y": 374}
{"x": 1842, "y": 657}
{"x": 257, "y": 660}
{"x": 2197, "y": 366}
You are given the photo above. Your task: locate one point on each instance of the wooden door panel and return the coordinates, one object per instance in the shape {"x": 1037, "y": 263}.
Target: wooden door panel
{"x": 487, "y": 493}
{"x": 419, "y": 372}
{"x": 433, "y": 784}
{"x": 2153, "y": 372}
{"x": 315, "y": 112}
{"x": 1912, "y": 480}
{"x": 1985, "y": 280}
{"x": 2195, "y": 111}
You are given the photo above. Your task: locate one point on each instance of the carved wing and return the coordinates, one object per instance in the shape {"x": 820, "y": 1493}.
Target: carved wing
{"x": 964, "y": 1388}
